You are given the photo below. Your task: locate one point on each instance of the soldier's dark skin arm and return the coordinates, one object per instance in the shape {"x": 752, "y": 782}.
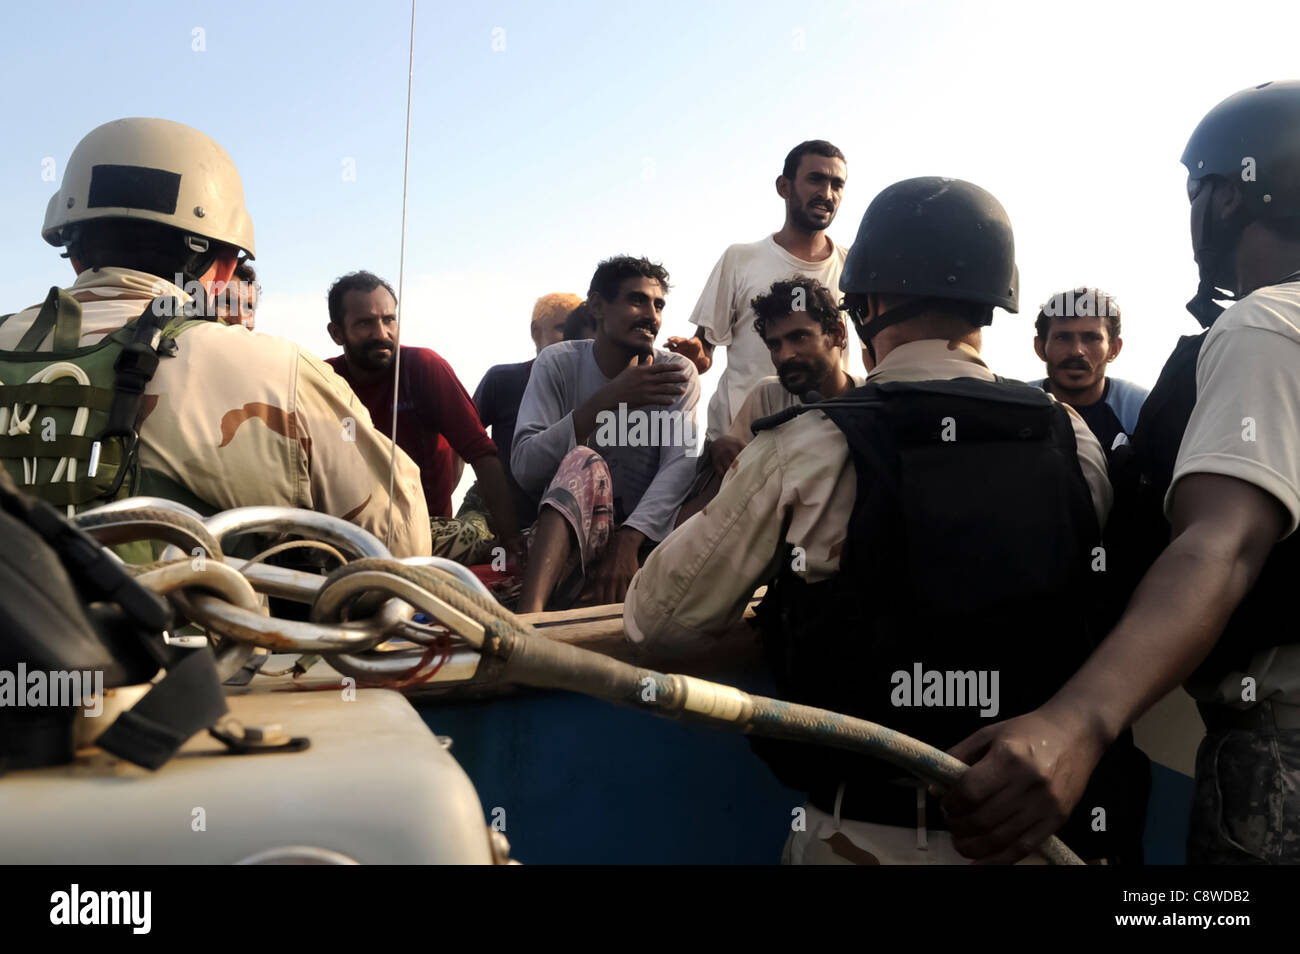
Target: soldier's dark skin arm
{"x": 1028, "y": 773}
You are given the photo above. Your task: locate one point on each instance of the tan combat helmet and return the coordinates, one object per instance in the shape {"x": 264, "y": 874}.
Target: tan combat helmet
{"x": 155, "y": 170}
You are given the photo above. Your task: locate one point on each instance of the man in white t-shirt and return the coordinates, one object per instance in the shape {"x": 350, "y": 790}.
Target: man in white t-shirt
{"x": 812, "y": 186}
{"x": 1215, "y": 609}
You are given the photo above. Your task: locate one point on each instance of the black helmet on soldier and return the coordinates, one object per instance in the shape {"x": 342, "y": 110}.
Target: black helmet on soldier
{"x": 1251, "y": 139}
{"x": 930, "y": 238}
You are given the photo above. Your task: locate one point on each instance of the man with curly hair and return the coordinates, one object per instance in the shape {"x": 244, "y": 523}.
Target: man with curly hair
{"x": 799, "y": 321}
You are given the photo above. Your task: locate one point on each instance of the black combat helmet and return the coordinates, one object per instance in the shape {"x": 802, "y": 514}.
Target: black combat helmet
{"x": 1253, "y": 139}
{"x": 929, "y": 238}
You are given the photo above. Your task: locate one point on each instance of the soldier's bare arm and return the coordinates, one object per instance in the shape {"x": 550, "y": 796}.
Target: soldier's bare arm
{"x": 1031, "y": 771}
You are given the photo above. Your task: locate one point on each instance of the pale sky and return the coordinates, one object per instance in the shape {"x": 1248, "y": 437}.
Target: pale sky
{"x": 546, "y": 136}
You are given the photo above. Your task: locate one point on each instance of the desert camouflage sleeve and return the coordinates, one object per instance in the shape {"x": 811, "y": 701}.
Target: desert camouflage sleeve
{"x": 348, "y": 463}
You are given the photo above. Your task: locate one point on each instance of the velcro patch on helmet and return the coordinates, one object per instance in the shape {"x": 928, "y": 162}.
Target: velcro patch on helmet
{"x": 134, "y": 187}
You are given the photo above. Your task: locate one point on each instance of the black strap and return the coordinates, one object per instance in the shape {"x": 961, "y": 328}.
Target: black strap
{"x": 96, "y": 573}
{"x": 133, "y": 370}
{"x": 852, "y": 400}
{"x": 867, "y": 330}
{"x": 186, "y": 700}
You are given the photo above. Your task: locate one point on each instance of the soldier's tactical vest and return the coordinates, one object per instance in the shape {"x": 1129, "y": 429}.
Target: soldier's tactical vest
{"x": 69, "y": 417}
{"x": 973, "y": 548}
{"x": 1138, "y": 532}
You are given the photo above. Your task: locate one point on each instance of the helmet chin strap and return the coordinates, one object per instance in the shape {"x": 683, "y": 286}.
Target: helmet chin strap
{"x": 1204, "y": 308}
{"x": 1215, "y": 250}
{"x": 867, "y": 330}
{"x": 202, "y": 254}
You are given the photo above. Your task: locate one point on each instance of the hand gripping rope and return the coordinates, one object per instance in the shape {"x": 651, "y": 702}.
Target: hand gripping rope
{"x": 371, "y": 600}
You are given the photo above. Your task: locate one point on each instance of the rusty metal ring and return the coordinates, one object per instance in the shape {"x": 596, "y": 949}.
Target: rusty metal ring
{"x": 286, "y": 635}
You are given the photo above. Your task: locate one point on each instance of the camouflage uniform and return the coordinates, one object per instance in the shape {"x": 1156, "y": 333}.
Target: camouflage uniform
{"x": 239, "y": 420}
{"x": 1247, "y": 804}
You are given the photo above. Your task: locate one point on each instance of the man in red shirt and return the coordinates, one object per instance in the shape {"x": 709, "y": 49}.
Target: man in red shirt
{"x": 434, "y": 414}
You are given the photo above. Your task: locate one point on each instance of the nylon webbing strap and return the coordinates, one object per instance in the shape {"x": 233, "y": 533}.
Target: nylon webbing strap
{"x": 31, "y": 445}
{"x": 57, "y": 395}
{"x": 187, "y": 700}
{"x": 60, "y": 313}
{"x": 67, "y": 324}
{"x": 81, "y": 491}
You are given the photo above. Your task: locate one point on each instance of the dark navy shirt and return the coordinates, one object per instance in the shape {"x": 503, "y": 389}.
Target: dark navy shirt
{"x": 1115, "y": 414}
{"x": 497, "y": 399}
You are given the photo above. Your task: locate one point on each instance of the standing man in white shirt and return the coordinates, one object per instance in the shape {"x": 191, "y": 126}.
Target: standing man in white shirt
{"x": 812, "y": 186}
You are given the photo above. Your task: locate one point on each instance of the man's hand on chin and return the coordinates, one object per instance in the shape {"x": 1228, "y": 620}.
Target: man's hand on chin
{"x": 1026, "y": 776}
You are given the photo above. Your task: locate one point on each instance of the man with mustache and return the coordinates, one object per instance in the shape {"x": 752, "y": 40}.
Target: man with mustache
{"x": 435, "y": 415}
{"x": 799, "y": 321}
{"x": 811, "y": 185}
{"x": 806, "y": 345}
{"x": 1077, "y": 334}
{"x": 608, "y": 492}
{"x": 498, "y": 395}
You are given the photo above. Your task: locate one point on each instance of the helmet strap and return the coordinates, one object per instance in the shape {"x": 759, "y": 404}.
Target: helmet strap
{"x": 868, "y": 330}
{"x": 202, "y": 255}
{"x": 1216, "y": 246}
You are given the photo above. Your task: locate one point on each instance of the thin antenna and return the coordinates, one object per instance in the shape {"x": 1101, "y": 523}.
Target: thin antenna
{"x": 401, "y": 282}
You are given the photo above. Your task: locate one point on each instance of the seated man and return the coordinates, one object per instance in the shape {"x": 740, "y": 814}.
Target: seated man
{"x": 605, "y": 437}
{"x": 579, "y": 325}
{"x": 433, "y": 406}
{"x": 497, "y": 399}
{"x": 498, "y": 395}
{"x": 799, "y": 321}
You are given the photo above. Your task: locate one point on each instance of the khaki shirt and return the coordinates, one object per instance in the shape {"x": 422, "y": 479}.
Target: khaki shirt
{"x": 697, "y": 582}
{"x": 243, "y": 421}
